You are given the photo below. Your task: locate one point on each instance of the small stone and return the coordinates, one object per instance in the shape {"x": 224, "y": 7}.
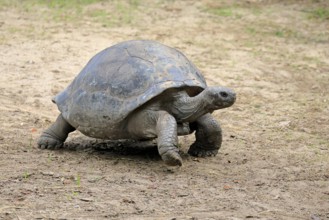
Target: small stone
{"x": 306, "y": 130}
{"x": 196, "y": 159}
{"x": 66, "y": 181}
{"x": 90, "y": 209}
{"x": 276, "y": 197}
{"x": 183, "y": 195}
{"x": 47, "y": 173}
{"x": 227, "y": 187}
{"x": 94, "y": 179}
{"x": 87, "y": 199}
{"x": 315, "y": 217}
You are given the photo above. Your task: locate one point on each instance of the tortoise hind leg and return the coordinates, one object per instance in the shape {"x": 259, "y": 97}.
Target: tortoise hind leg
{"x": 56, "y": 134}
{"x": 208, "y": 137}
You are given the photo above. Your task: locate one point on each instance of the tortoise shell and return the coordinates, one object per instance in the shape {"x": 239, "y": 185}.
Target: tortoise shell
{"x": 120, "y": 79}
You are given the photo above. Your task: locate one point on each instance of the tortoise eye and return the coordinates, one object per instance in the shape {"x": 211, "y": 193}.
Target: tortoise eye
{"x": 223, "y": 94}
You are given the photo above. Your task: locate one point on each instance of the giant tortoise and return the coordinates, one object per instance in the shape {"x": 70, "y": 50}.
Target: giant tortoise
{"x": 141, "y": 90}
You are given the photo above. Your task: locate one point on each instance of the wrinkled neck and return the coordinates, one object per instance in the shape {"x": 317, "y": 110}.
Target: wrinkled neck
{"x": 188, "y": 109}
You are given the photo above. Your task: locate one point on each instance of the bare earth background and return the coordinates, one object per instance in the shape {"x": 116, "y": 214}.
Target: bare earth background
{"x": 274, "y": 160}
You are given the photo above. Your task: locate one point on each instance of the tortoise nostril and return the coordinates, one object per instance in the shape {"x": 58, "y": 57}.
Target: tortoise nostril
{"x": 223, "y": 94}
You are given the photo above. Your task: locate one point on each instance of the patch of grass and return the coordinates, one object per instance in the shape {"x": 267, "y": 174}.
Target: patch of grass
{"x": 111, "y": 13}
{"x": 78, "y": 180}
{"x": 29, "y": 5}
{"x": 272, "y": 29}
{"x": 221, "y": 9}
{"x": 8, "y": 3}
{"x": 102, "y": 16}
{"x": 26, "y": 175}
{"x": 125, "y": 12}
{"x": 279, "y": 33}
{"x": 224, "y": 12}
{"x": 67, "y": 10}
{"x": 75, "y": 193}
{"x": 50, "y": 158}
{"x": 58, "y": 10}
{"x": 29, "y": 30}
{"x": 122, "y": 13}
{"x": 69, "y": 4}
{"x": 72, "y": 195}
{"x": 288, "y": 33}
{"x": 320, "y": 13}
{"x": 98, "y": 13}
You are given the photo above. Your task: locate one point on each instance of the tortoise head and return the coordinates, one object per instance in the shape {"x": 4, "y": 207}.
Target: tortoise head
{"x": 219, "y": 97}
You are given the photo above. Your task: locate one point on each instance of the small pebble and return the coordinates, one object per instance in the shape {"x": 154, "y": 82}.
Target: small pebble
{"x": 87, "y": 199}
{"x": 47, "y": 173}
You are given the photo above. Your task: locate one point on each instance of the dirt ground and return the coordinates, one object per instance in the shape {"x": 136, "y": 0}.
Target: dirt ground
{"x": 273, "y": 163}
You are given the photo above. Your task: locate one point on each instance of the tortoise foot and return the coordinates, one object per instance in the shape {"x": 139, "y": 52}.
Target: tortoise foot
{"x": 48, "y": 141}
{"x": 201, "y": 152}
{"x": 172, "y": 158}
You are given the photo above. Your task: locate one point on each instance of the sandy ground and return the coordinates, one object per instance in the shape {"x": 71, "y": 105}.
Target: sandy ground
{"x": 273, "y": 163}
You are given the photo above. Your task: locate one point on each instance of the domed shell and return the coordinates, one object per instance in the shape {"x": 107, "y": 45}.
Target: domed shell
{"x": 120, "y": 79}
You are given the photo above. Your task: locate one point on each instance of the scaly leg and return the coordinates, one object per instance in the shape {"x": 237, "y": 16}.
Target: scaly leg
{"x": 56, "y": 134}
{"x": 149, "y": 124}
{"x": 208, "y": 137}
{"x": 166, "y": 129}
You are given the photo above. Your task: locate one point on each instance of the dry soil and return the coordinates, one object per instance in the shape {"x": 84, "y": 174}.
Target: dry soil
{"x": 273, "y": 163}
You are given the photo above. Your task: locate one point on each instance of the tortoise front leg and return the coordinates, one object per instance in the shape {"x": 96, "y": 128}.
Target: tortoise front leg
{"x": 149, "y": 124}
{"x": 166, "y": 129}
{"x": 56, "y": 134}
{"x": 208, "y": 137}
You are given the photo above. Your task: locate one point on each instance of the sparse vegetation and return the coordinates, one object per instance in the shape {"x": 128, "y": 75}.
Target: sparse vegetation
{"x": 320, "y": 13}
{"x": 279, "y": 33}
{"x": 26, "y": 175}
{"x": 117, "y": 13}
{"x": 225, "y": 11}
{"x": 50, "y": 158}
{"x": 78, "y": 180}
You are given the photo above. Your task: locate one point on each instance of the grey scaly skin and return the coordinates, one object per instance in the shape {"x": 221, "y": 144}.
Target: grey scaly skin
{"x": 172, "y": 113}
{"x": 56, "y": 134}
